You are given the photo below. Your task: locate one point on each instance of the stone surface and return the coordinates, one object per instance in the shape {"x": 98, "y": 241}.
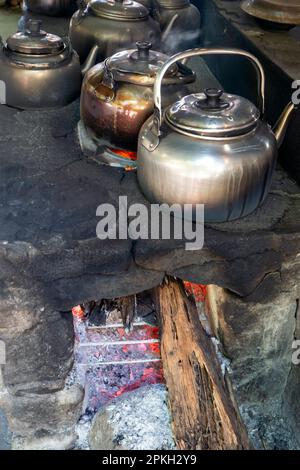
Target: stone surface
{"x": 137, "y": 420}
{"x": 258, "y": 340}
{"x": 49, "y": 197}
{"x": 269, "y": 429}
{"x": 39, "y": 354}
{"x": 39, "y": 342}
{"x": 51, "y": 260}
{"x": 291, "y": 402}
{"x": 280, "y": 47}
{"x": 5, "y": 437}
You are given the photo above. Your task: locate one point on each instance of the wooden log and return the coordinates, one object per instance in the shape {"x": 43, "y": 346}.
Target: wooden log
{"x": 204, "y": 413}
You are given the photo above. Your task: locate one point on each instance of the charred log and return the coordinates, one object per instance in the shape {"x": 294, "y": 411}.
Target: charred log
{"x": 204, "y": 413}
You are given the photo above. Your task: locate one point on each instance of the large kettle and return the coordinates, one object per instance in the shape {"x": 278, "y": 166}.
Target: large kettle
{"x": 210, "y": 148}
{"x": 113, "y": 25}
{"x": 52, "y": 7}
{"x": 117, "y": 94}
{"x": 39, "y": 70}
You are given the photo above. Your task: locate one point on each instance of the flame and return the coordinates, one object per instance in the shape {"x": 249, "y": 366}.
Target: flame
{"x": 104, "y": 383}
{"x": 150, "y": 376}
{"x": 124, "y": 153}
{"x": 78, "y": 312}
{"x": 199, "y": 291}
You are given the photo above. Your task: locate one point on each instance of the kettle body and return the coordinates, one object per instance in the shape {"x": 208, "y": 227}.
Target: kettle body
{"x": 52, "y": 7}
{"x": 210, "y": 148}
{"x": 117, "y": 94}
{"x": 112, "y": 32}
{"x": 38, "y": 70}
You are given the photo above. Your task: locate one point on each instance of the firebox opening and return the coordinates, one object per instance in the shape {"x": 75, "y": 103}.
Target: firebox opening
{"x": 117, "y": 349}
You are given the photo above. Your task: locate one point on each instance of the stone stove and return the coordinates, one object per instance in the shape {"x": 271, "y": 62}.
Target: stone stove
{"x": 52, "y": 261}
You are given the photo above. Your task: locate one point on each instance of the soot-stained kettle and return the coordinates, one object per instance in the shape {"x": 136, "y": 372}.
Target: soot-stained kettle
{"x": 117, "y": 94}
{"x": 210, "y": 148}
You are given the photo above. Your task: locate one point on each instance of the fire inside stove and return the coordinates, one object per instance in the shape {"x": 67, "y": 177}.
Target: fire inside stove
{"x": 111, "y": 359}
{"x": 126, "y": 158}
{"x": 128, "y": 155}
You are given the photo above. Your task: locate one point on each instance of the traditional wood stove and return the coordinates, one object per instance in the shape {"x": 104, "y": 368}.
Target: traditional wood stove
{"x": 51, "y": 260}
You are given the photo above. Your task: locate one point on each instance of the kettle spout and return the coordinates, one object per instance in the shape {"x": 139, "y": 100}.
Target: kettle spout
{"x": 281, "y": 126}
{"x": 168, "y": 28}
{"x": 90, "y": 60}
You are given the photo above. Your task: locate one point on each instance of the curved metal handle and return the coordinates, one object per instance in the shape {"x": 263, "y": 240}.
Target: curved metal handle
{"x": 203, "y": 52}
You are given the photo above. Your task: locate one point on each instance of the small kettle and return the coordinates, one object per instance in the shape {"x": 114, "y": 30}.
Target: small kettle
{"x": 39, "y": 70}
{"x": 210, "y": 148}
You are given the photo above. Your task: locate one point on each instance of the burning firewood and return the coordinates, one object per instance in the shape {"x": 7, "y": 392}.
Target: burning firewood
{"x": 204, "y": 413}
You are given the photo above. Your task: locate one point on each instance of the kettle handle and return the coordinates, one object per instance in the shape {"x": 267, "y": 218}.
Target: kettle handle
{"x": 203, "y": 52}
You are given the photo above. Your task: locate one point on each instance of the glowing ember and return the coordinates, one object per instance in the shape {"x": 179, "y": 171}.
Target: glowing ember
{"x": 78, "y": 312}
{"x": 199, "y": 291}
{"x": 124, "y": 153}
{"x": 110, "y": 361}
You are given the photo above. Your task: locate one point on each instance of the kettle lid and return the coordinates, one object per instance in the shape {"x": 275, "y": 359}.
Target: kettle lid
{"x": 35, "y": 41}
{"x": 140, "y": 61}
{"x": 119, "y": 9}
{"x": 213, "y": 114}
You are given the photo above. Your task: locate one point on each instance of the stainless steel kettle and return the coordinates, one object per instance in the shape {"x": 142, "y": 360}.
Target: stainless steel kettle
{"x": 113, "y": 25}
{"x": 39, "y": 70}
{"x": 210, "y": 148}
{"x": 52, "y": 7}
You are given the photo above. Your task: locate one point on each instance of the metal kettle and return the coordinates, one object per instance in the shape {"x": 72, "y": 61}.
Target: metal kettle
{"x": 113, "y": 25}
{"x": 52, "y": 7}
{"x": 210, "y": 148}
{"x": 39, "y": 70}
{"x": 117, "y": 94}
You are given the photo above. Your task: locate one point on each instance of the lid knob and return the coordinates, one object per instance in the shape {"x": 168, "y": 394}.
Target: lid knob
{"x": 34, "y": 27}
{"x": 213, "y": 96}
{"x": 213, "y": 101}
{"x": 143, "y": 48}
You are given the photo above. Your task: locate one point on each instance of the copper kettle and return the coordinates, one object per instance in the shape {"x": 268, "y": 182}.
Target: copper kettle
{"x": 117, "y": 94}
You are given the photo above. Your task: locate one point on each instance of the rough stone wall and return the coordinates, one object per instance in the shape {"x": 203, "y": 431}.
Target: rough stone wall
{"x": 257, "y": 336}
{"x": 40, "y": 411}
{"x": 51, "y": 260}
{"x": 291, "y": 402}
